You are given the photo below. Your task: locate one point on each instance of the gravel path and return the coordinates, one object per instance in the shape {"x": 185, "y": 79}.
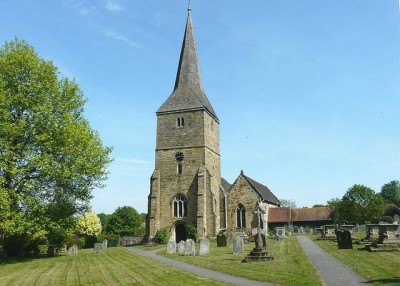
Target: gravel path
{"x": 196, "y": 269}
{"x": 329, "y": 268}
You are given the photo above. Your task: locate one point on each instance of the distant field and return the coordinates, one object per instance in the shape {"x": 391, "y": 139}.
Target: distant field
{"x": 115, "y": 266}
{"x": 290, "y": 267}
{"x": 378, "y": 268}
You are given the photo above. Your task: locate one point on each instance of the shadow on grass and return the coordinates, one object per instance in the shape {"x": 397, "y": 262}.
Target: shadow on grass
{"x": 390, "y": 281}
{"x": 16, "y": 260}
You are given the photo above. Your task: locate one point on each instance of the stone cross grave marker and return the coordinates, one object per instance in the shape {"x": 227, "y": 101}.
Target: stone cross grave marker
{"x": 190, "y": 247}
{"x": 238, "y": 245}
{"x": 204, "y": 246}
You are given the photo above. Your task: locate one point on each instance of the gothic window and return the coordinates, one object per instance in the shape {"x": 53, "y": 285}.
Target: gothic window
{"x": 180, "y": 122}
{"x": 180, "y": 206}
{"x": 180, "y": 168}
{"x": 240, "y": 216}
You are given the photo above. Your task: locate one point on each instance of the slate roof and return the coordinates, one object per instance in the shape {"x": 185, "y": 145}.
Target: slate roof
{"x": 188, "y": 91}
{"x": 225, "y": 185}
{"x": 265, "y": 193}
{"x": 304, "y": 214}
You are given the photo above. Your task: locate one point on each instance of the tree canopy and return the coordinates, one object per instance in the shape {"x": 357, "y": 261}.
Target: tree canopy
{"x": 390, "y": 192}
{"x": 50, "y": 158}
{"x": 125, "y": 221}
{"x": 359, "y": 204}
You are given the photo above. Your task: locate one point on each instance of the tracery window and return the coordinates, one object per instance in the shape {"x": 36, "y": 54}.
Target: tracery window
{"x": 240, "y": 216}
{"x": 180, "y": 206}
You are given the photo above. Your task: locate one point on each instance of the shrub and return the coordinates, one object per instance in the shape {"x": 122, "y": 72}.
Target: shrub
{"x": 79, "y": 241}
{"x": 191, "y": 231}
{"x": 161, "y": 236}
{"x": 387, "y": 219}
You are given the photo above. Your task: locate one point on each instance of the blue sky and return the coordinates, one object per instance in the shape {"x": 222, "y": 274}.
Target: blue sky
{"x": 307, "y": 92}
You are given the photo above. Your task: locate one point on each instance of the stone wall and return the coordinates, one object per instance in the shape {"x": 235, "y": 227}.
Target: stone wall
{"x": 199, "y": 181}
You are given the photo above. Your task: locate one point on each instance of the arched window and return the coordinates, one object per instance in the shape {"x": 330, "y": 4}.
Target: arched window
{"x": 180, "y": 168}
{"x": 240, "y": 216}
{"x": 180, "y": 206}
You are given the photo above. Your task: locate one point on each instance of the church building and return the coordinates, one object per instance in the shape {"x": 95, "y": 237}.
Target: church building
{"x": 186, "y": 187}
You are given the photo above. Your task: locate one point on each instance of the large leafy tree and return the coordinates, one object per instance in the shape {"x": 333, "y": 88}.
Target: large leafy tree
{"x": 125, "y": 221}
{"x": 359, "y": 204}
{"x": 390, "y": 192}
{"x": 50, "y": 158}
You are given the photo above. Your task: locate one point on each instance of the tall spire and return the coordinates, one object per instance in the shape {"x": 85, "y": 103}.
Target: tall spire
{"x": 188, "y": 70}
{"x": 188, "y": 90}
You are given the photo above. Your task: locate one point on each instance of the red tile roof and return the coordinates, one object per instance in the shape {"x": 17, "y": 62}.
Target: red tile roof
{"x": 304, "y": 214}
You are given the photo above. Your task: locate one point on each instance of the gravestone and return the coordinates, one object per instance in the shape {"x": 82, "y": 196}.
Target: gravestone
{"x": 171, "y": 247}
{"x": 296, "y": 230}
{"x": 329, "y": 231}
{"x": 280, "y": 231}
{"x": 105, "y": 243}
{"x": 190, "y": 247}
{"x": 51, "y": 251}
{"x": 181, "y": 247}
{"x": 343, "y": 237}
{"x": 73, "y": 250}
{"x": 396, "y": 219}
{"x": 238, "y": 245}
{"x": 276, "y": 238}
{"x": 301, "y": 230}
{"x": 97, "y": 248}
{"x": 204, "y": 246}
{"x": 221, "y": 240}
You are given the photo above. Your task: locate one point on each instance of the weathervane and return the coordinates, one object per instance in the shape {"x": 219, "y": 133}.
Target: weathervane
{"x": 189, "y": 6}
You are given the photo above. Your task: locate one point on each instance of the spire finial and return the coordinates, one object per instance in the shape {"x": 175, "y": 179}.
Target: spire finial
{"x": 189, "y": 9}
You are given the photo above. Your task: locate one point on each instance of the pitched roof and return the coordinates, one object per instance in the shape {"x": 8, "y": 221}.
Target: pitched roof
{"x": 188, "y": 92}
{"x": 225, "y": 185}
{"x": 264, "y": 192}
{"x": 312, "y": 214}
{"x": 278, "y": 214}
{"x": 304, "y": 214}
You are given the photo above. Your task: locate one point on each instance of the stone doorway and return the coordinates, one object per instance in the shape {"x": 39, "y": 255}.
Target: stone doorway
{"x": 180, "y": 232}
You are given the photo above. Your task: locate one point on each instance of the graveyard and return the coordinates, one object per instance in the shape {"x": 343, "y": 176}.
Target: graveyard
{"x": 116, "y": 266}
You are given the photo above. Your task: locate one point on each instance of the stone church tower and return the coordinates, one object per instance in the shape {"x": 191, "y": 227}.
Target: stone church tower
{"x": 184, "y": 187}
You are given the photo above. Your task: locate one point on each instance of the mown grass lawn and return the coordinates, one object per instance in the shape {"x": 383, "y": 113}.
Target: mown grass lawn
{"x": 115, "y": 266}
{"x": 290, "y": 267}
{"x": 378, "y": 268}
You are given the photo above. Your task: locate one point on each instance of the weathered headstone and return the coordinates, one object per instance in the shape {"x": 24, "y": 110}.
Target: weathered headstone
{"x": 296, "y": 229}
{"x": 73, "y": 250}
{"x": 171, "y": 247}
{"x": 396, "y": 219}
{"x": 238, "y": 245}
{"x": 97, "y": 248}
{"x": 105, "y": 243}
{"x": 51, "y": 251}
{"x": 280, "y": 231}
{"x": 190, "y": 247}
{"x": 343, "y": 237}
{"x": 204, "y": 246}
{"x": 221, "y": 240}
{"x": 181, "y": 247}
